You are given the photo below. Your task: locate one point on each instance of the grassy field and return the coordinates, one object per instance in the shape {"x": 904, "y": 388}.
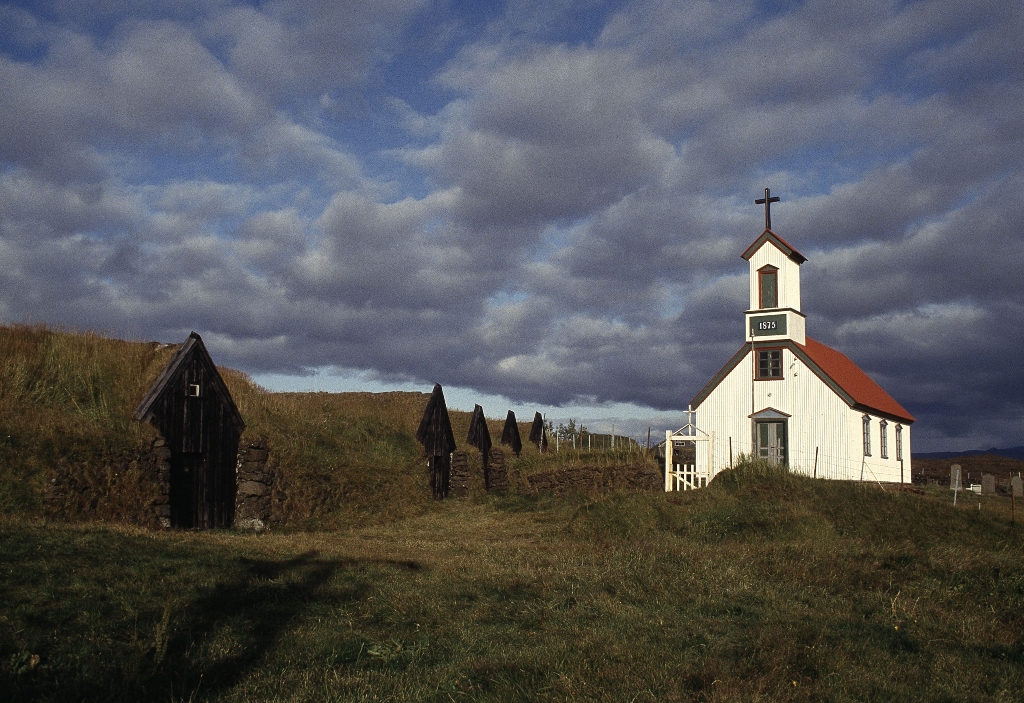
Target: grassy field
{"x": 762, "y": 587}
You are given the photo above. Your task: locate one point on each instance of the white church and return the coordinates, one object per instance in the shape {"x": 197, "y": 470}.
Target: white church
{"x": 787, "y": 398}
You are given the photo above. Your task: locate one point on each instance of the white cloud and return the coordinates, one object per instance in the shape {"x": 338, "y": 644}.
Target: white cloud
{"x": 545, "y": 201}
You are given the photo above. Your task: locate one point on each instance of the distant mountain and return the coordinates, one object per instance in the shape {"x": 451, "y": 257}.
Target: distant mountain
{"x": 1012, "y": 453}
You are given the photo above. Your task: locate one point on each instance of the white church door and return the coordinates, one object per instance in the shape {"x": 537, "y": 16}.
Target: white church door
{"x": 771, "y": 442}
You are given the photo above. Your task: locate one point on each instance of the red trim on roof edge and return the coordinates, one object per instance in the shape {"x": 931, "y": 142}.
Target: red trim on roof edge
{"x": 864, "y": 391}
{"x": 778, "y": 241}
{"x": 845, "y": 375}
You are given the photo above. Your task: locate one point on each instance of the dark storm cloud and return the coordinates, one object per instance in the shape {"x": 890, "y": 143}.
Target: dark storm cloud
{"x": 560, "y": 219}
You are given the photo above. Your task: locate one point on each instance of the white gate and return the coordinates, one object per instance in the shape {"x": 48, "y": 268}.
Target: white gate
{"x": 689, "y": 473}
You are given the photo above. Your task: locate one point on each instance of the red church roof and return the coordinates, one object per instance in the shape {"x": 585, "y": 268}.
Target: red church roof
{"x": 849, "y": 377}
{"x": 843, "y": 376}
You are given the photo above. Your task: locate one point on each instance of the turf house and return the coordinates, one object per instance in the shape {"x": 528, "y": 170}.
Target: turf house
{"x": 190, "y": 406}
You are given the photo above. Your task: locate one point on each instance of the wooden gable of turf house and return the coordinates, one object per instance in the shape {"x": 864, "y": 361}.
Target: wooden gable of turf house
{"x": 438, "y": 440}
{"x": 510, "y": 434}
{"x": 189, "y": 404}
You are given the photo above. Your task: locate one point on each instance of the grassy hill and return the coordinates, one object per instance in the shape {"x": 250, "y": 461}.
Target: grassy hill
{"x": 66, "y": 403}
{"x": 66, "y": 399}
{"x": 765, "y": 586}
{"x": 761, "y": 587}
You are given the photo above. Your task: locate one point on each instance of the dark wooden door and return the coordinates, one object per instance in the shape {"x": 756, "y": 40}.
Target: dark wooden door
{"x": 187, "y": 489}
{"x": 440, "y": 475}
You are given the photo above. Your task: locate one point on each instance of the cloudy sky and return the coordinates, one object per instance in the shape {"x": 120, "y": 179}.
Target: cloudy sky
{"x": 542, "y": 201}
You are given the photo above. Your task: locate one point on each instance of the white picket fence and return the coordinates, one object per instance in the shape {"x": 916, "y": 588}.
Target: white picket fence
{"x": 685, "y": 476}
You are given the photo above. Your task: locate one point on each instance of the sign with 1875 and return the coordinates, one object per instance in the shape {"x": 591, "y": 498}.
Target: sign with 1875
{"x": 767, "y": 325}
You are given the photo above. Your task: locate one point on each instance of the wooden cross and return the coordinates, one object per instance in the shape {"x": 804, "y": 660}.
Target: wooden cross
{"x": 767, "y": 201}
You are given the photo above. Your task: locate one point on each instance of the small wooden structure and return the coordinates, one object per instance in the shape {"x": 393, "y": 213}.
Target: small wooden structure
{"x": 435, "y": 434}
{"x": 190, "y": 406}
{"x": 538, "y": 434}
{"x": 480, "y": 437}
{"x": 510, "y": 435}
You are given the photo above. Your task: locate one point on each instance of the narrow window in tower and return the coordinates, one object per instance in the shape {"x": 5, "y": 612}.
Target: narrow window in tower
{"x": 768, "y": 278}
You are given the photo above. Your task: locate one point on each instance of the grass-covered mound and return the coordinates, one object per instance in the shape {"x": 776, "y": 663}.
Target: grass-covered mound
{"x": 66, "y": 405}
{"x": 67, "y": 400}
{"x": 757, "y": 588}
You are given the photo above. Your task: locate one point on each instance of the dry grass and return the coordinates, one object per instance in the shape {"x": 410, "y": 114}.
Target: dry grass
{"x": 753, "y": 589}
{"x": 66, "y": 401}
{"x": 765, "y": 586}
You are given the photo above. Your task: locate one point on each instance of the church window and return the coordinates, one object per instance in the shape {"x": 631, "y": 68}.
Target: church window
{"x": 867, "y": 436}
{"x": 768, "y": 282}
{"x": 899, "y": 442}
{"x": 883, "y": 436}
{"x": 769, "y": 364}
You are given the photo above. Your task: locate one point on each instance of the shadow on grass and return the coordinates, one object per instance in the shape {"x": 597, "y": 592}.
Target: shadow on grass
{"x": 207, "y": 644}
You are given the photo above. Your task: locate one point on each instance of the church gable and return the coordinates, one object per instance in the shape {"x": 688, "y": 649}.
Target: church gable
{"x": 835, "y": 369}
{"x": 769, "y": 237}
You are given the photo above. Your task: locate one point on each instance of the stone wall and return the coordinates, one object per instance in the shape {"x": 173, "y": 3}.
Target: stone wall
{"x": 157, "y": 463}
{"x": 496, "y": 474}
{"x": 254, "y": 501}
{"x": 130, "y": 489}
{"x": 458, "y": 483}
{"x": 595, "y": 479}
{"x": 137, "y": 490}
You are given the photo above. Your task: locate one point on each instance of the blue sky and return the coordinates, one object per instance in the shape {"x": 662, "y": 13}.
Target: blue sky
{"x": 541, "y": 205}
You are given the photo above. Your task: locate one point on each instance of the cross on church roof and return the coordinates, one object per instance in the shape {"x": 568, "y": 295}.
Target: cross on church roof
{"x": 767, "y": 201}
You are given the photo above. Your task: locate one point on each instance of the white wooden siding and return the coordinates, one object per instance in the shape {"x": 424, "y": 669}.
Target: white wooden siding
{"x": 789, "y": 276}
{"x": 819, "y": 420}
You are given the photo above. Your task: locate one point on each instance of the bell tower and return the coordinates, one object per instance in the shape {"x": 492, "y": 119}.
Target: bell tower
{"x": 774, "y": 312}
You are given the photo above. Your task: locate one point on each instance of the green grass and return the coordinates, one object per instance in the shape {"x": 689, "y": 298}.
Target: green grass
{"x": 763, "y": 587}
{"x": 758, "y": 588}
